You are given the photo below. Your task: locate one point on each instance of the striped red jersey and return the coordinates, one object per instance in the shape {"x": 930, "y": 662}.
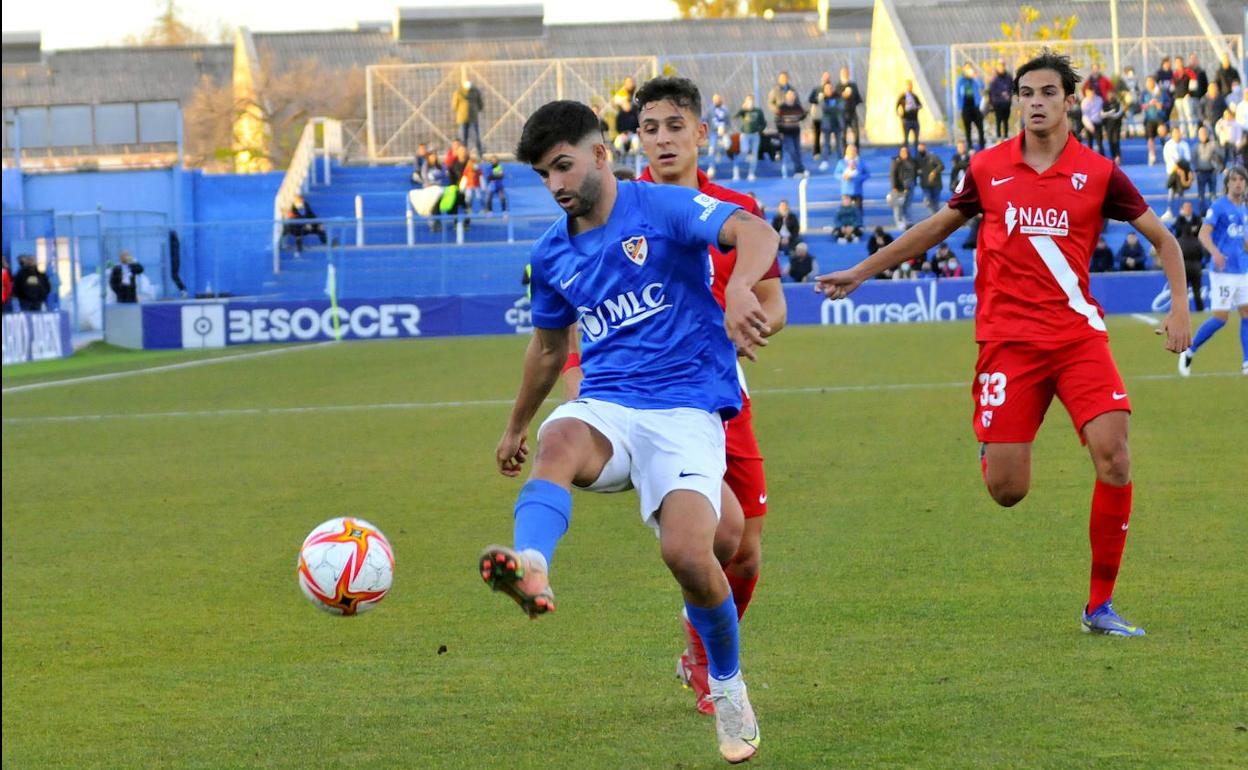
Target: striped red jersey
{"x": 1037, "y": 237}
{"x": 722, "y": 263}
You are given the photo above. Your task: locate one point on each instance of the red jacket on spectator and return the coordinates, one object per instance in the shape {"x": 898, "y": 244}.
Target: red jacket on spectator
{"x": 8, "y": 287}
{"x": 1102, "y": 85}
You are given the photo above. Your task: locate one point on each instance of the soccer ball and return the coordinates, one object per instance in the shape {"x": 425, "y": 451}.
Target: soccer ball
{"x": 346, "y": 566}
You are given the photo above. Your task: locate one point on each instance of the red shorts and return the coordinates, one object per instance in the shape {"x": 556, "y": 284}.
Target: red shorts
{"x": 1016, "y": 381}
{"x": 745, "y": 464}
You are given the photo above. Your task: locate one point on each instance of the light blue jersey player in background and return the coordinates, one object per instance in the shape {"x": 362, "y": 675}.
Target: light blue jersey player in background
{"x": 1222, "y": 235}
{"x": 628, "y": 262}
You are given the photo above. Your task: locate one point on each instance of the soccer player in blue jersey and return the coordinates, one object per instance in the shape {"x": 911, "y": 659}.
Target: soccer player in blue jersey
{"x": 1223, "y": 235}
{"x": 628, "y": 263}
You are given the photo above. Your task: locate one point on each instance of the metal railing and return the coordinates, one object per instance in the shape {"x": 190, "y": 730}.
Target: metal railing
{"x": 302, "y": 170}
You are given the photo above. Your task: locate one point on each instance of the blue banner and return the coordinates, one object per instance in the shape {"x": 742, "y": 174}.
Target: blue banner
{"x": 36, "y": 337}
{"x": 217, "y": 324}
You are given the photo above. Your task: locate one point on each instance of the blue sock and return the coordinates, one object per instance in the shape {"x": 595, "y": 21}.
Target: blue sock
{"x": 718, "y": 628}
{"x": 1243, "y": 337}
{"x": 1206, "y": 330}
{"x": 543, "y": 511}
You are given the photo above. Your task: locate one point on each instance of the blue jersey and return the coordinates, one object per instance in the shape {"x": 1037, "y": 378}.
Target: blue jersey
{"x": 1229, "y": 224}
{"x": 639, "y": 287}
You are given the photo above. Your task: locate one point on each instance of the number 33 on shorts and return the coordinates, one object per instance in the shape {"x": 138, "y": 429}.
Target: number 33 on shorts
{"x": 992, "y": 391}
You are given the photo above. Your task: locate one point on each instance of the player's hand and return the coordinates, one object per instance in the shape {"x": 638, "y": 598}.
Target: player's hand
{"x": 1219, "y": 261}
{"x": 837, "y": 285}
{"x": 513, "y": 449}
{"x": 1177, "y": 328}
{"x": 745, "y": 321}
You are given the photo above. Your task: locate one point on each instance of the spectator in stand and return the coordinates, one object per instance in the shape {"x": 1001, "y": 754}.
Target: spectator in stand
{"x": 1156, "y": 114}
{"x": 1200, "y": 85}
{"x": 467, "y": 104}
{"x": 1226, "y": 74}
{"x": 124, "y": 278}
{"x": 945, "y": 262}
{"x": 7, "y": 289}
{"x": 1074, "y": 116}
{"x": 785, "y": 223}
{"x": 1207, "y": 163}
{"x": 452, "y": 154}
{"x": 851, "y": 99}
{"x": 751, "y": 121}
{"x": 1099, "y": 82}
{"x": 625, "y": 93}
{"x": 775, "y": 97}
{"x": 420, "y": 166}
{"x": 627, "y": 142}
{"x": 1112, "y": 114}
{"x": 1092, "y": 106}
{"x": 302, "y": 223}
{"x": 1001, "y": 97}
{"x": 1102, "y": 258}
{"x": 1235, "y": 96}
{"x": 1132, "y": 99}
{"x": 931, "y": 171}
{"x": 848, "y": 221}
{"x": 959, "y": 164}
{"x": 815, "y": 100}
{"x": 1131, "y": 254}
{"x": 1177, "y": 156}
{"x": 908, "y": 106}
{"x": 853, "y": 173}
{"x": 718, "y": 123}
{"x": 1187, "y": 231}
{"x": 901, "y": 178}
{"x": 830, "y": 130}
{"x": 789, "y": 123}
{"x": 1165, "y": 78}
{"x": 967, "y": 92}
{"x": 762, "y": 210}
{"x": 30, "y": 285}
{"x": 1228, "y": 132}
{"x": 1182, "y": 85}
{"x": 1211, "y": 107}
{"x": 802, "y": 264}
{"x": 494, "y": 185}
{"x": 878, "y": 240}
{"x": 470, "y": 183}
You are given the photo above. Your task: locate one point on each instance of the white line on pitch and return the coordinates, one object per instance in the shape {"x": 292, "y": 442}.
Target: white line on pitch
{"x": 413, "y": 405}
{"x": 1148, "y": 319}
{"x": 162, "y": 368}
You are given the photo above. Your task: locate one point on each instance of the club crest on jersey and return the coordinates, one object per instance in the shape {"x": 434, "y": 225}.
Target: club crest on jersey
{"x": 1036, "y": 220}
{"x": 985, "y": 417}
{"x": 636, "y": 249}
{"x": 1077, "y": 181}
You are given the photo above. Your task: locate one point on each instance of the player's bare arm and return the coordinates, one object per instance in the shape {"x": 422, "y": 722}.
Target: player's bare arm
{"x": 756, "y": 244}
{"x": 770, "y": 294}
{"x": 1177, "y": 327}
{"x": 912, "y": 243}
{"x": 1215, "y": 254}
{"x": 544, "y": 358}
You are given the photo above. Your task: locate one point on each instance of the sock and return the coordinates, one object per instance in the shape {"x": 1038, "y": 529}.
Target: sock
{"x": 742, "y": 591}
{"x": 1206, "y": 330}
{"x": 718, "y": 628}
{"x": 1107, "y": 529}
{"x": 543, "y": 511}
{"x": 1243, "y": 338}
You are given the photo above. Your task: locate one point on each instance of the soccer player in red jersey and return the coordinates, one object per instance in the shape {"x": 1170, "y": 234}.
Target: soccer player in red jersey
{"x": 1044, "y": 198}
{"x": 672, "y": 131}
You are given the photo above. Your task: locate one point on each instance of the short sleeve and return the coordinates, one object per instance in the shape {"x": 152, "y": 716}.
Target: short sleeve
{"x": 1216, "y": 216}
{"x": 966, "y": 196}
{"x": 550, "y": 310}
{"x": 689, "y": 216}
{"x": 1122, "y": 201}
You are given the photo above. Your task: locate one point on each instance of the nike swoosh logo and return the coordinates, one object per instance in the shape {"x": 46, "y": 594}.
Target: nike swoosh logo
{"x": 567, "y": 283}
{"x": 686, "y": 474}
{"x": 762, "y": 499}
{"x": 1118, "y": 396}
{"x": 996, "y": 181}
{"x": 1124, "y": 527}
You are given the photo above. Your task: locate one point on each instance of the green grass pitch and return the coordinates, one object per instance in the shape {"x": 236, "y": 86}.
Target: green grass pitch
{"x": 151, "y": 616}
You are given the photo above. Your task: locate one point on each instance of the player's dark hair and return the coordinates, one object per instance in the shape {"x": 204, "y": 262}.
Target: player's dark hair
{"x": 1050, "y": 60}
{"x": 555, "y": 123}
{"x": 681, "y": 92}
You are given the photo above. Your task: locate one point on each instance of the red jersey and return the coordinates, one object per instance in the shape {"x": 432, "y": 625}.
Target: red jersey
{"x": 1037, "y": 237}
{"x": 723, "y": 263}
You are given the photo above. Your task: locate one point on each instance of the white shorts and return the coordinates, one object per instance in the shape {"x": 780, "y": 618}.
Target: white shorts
{"x": 1227, "y": 290}
{"x": 654, "y": 451}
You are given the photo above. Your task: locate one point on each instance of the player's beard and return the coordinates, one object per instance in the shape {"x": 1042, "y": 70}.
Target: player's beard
{"x": 587, "y": 195}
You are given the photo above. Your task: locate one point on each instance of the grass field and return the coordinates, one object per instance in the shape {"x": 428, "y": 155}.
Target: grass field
{"x": 152, "y": 618}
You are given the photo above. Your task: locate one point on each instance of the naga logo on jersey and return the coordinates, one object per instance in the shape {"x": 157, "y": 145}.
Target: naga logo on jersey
{"x": 707, "y": 203}
{"x": 631, "y": 307}
{"x": 1077, "y": 181}
{"x": 1035, "y": 220}
{"x": 636, "y": 249}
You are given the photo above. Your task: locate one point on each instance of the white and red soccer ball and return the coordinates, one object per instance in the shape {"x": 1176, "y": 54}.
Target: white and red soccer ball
{"x": 346, "y": 566}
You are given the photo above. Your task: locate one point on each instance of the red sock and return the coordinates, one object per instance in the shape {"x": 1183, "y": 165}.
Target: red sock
{"x": 742, "y": 591}
{"x": 1107, "y": 529}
